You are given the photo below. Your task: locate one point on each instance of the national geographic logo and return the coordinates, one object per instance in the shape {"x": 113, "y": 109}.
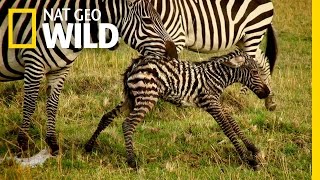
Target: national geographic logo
{"x": 81, "y": 29}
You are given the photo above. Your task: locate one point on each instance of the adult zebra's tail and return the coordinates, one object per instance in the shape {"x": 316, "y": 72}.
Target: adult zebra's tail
{"x": 272, "y": 47}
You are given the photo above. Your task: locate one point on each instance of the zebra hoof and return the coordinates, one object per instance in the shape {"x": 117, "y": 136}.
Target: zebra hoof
{"x": 270, "y": 104}
{"x": 260, "y": 157}
{"x": 23, "y": 142}
{"x": 256, "y": 167}
{"x": 88, "y": 147}
{"x": 52, "y": 142}
{"x": 55, "y": 152}
{"x": 132, "y": 163}
{"x": 253, "y": 163}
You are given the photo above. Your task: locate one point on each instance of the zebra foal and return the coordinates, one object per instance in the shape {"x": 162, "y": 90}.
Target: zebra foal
{"x": 184, "y": 83}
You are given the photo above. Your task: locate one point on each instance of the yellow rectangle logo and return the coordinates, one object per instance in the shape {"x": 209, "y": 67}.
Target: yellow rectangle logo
{"x": 33, "y": 28}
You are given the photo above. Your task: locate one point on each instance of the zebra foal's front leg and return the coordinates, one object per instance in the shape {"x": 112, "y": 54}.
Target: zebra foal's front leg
{"x": 104, "y": 122}
{"x": 249, "y": 145}
{"x": 55, "y": 85}
{"x": 214, "y": 108}
{"x": 32, "y": 77}
{"x": 256, "y": 154}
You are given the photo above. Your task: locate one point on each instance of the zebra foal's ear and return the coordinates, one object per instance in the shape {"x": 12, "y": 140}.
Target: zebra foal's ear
{"x": 235, "y": 62}
{"x": 171, "y": 50}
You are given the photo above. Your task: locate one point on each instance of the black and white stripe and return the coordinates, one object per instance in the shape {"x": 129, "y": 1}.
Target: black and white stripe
{"x": 138, "y": 23}
{"x": 214, "y": 25}
{"x": 185, "y": 83}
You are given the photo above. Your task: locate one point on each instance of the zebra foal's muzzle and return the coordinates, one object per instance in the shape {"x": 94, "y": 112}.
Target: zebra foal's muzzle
{"x": 263, "y": 92}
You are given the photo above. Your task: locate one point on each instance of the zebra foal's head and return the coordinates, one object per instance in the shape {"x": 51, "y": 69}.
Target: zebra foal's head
{"x": 246, "y": 71}
{"x": 143, "y": 30}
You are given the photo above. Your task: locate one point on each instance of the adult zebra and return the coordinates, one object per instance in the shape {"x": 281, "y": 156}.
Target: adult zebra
{"x": 213, "y": 25}
{"x": 138, "y": 23}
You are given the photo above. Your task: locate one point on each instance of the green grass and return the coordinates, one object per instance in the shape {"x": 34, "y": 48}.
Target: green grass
{"x": 172, "y": 143}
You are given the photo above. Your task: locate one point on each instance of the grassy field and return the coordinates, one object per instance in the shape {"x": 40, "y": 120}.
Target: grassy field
{"x": 173, "y": 143}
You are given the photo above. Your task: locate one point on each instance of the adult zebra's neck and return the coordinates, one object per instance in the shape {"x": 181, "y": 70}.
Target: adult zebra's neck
{"x": 172, "y": 16}
{"x": 112, "y": 11}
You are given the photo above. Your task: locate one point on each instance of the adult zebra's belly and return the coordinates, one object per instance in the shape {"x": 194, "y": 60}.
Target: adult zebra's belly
{"x": 198, "y": 44}
{"x": 11, "y": 70}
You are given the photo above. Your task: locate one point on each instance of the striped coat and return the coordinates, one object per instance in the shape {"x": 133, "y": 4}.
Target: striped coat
{"x": 186, "y": 83}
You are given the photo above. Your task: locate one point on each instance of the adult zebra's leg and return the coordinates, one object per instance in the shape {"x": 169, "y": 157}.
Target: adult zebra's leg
{"x": 34, "y": 72}
{"x": 104, "y": 122}
{"x": 141, "y": 107}
{"x": 214, "y": 108}
{"x": 55, "y": 85}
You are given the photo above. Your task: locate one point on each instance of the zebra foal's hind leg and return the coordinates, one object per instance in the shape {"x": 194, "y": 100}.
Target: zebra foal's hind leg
{"x": 141, "y": 107}
{"x": 104, "y": 122}
{"x": 32, "y": 77}
{"x": 55, "y": 85}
